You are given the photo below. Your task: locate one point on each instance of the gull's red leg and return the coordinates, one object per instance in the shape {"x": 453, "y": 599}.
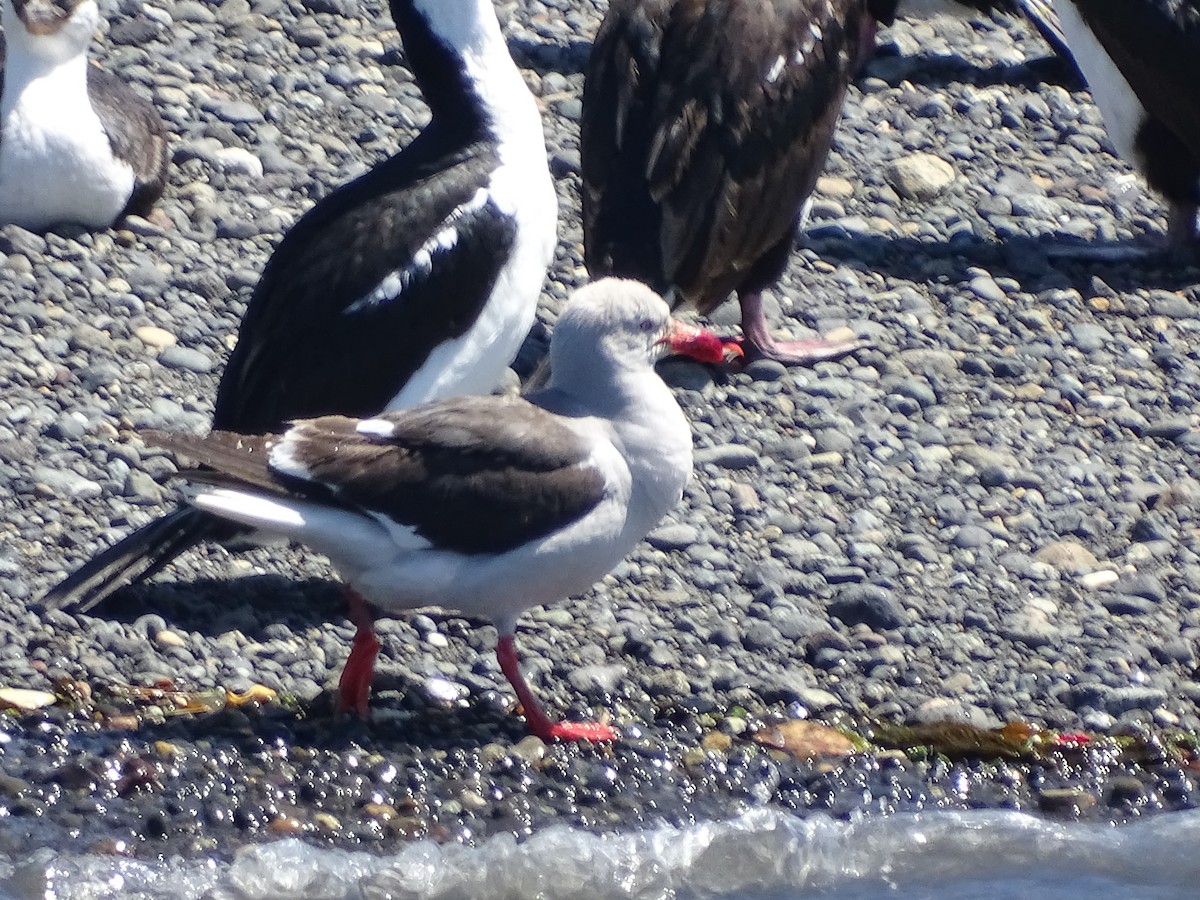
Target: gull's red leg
{"x": 354, "y": 687}
{"x": 539, "y": 723}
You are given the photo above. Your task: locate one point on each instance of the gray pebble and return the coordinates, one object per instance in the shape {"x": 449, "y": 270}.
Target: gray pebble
{"x": 970, "y": 537}
{"x": 867, "y": 604}
{"x": 65, "y": 483}
{"x": 187, "y": 358}
{"x": 727, "y": 456}
{"x": 1007, "y": 389}
{"x": 673, "y": 537}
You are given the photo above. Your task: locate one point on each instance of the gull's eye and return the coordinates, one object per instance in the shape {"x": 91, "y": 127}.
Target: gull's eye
{"x": 646, "y": 325}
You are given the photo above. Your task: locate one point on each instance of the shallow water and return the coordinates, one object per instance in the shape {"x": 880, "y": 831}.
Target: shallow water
{"x": 761, "y": 855}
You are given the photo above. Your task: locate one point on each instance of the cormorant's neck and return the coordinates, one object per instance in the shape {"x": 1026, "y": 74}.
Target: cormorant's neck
{"x": 461, "y": 63}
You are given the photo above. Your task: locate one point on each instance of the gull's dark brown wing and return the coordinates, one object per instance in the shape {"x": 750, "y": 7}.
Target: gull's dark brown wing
{"x": 474, "y": 474}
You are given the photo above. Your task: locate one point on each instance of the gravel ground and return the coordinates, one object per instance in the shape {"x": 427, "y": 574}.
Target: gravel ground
{"x": 990, "y": 516}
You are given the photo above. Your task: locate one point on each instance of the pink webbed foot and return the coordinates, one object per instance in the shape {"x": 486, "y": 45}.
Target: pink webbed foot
{"x": 535, "y": 717}
{"x": 800, "y": 353}
{"x": 706, "y": 346}
{"x": 354, "y": 686}
{"x": 759, "y": 343}
{"x": 711, "y": 348}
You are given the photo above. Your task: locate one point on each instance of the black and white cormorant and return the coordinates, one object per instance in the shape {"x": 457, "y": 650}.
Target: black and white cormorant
{"x": 487, "y": 505}
{"x": 417, "y": 281}
{"x": 1141, "y": 59}
{"x": 77, "y": 145}
{"x": 705, "y": 126}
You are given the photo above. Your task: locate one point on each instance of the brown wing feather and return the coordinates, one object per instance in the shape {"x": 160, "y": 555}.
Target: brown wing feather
{"x": 475, "y": 474}
{"x": 244, "y": 458}
{"x": 705, "y": 127}
{"x": 620, "y": 219}
{"x": 773, "y": 90}
{"x": 137, "y": 134}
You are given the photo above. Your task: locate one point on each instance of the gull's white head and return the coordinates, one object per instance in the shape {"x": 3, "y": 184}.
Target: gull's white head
{"x": 612, "y": 323}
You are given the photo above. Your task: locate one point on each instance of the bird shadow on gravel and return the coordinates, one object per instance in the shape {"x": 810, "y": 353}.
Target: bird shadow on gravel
{"x": 893, "y": 67}
{"x": 397, "y": 724}
{"x": 405, "y": 709}
{"x": 888, "y": 64}
{"x": 251, "y": 604}
{"x": 213, "y": 606}
{"x": 1037, "y": 263}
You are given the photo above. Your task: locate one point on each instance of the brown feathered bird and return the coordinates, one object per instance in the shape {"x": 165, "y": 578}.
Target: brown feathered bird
{"x": 705, "y": 126}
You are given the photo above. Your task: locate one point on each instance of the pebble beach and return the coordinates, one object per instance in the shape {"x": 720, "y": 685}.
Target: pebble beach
{"x": 989, "y": 517}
